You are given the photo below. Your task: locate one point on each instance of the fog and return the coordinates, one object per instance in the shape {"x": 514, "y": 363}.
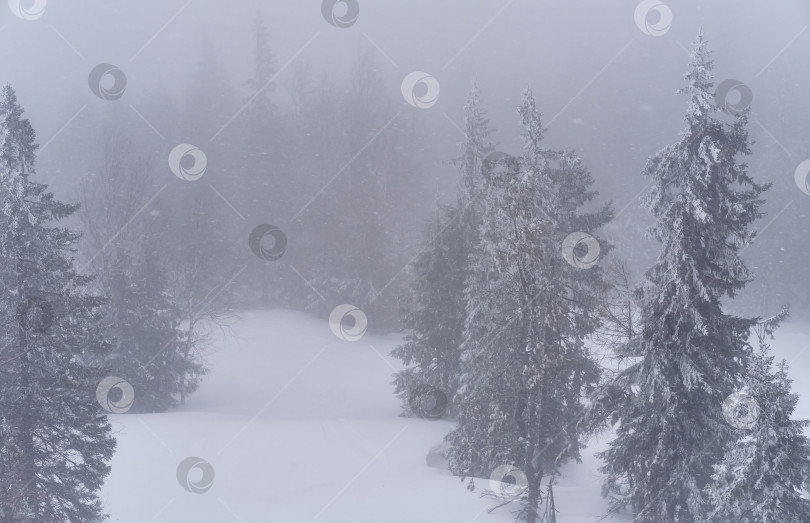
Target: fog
{"x": 249, "y": 155}
{"x": 605, "y": 88}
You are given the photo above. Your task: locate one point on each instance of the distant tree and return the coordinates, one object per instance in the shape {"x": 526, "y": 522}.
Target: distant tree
{"x": 436, "y": 310}
{"x": 435, "y": 313}
{"x": 151, "y": 350}
{"x": 143, "y": 317}
{"x": 202, "y": 231}
{"x": 348, "y": 210}
{"x": 55, "y": 441}
{"x": 204, "y": 240}
{"x": 210, "y": 100}
{"x": 318, "y": 127}
{"x": 266, "y": 190}
{"x": 200, "y": 308}
{"x": 299, "y": 86}
{"x": 111, "y": 194}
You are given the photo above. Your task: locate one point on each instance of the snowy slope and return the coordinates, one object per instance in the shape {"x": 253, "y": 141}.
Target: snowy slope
{"x": 301, "y": 426}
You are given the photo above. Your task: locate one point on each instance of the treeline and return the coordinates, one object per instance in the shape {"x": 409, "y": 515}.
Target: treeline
{"x": 517, "y": 297}
{"x": 306, "y": 205}
{"x": 334, "y": 164}
{"x": 305, "y": 201}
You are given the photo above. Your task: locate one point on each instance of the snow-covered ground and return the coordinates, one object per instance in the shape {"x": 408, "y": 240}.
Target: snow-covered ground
{"x": 300, "y": 426}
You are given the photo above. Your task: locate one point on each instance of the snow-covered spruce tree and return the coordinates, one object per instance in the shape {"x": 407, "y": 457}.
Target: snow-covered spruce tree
{"x": 143, "y": 317}
{"x": 525, "y": 366}
{"x": 201, "y": 240}
{"x": 435, "y": 311}
{"x": 690, "y": 354}
{"x": 434, "y": 315}
{"x": 475, "y": 148}
{"x": 55, "y": 440}
{"x": 762, "y": 474}
{"x": 149, "y": 345}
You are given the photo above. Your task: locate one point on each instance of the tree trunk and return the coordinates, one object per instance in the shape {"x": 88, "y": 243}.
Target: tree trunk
{"x": 533, "y": 497}
{"x": 534, "y": 474}
{"x": 26, "y": 431}
{"x": 532, "y": 414}
{"x": 186, "y": 352}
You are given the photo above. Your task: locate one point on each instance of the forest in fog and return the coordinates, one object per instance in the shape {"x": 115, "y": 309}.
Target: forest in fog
{"x": 557, "y": 248}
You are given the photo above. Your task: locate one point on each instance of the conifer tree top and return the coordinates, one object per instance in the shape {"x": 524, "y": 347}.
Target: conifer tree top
{"x": 18, "y": 147}
{"x": 700, "y": 81}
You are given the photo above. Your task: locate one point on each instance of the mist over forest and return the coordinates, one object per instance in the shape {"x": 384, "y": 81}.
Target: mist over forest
{"x": 547, "y": 235}
{"x": 603, "y": 88}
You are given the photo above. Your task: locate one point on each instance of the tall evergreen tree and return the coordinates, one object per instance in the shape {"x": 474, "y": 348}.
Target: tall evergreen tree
{"x": 436, "y": 310}
{"x": 356, "y": 238}
{"x": 209, "y": 101}
{"x": 761, "y": 476}
{"x": 319, "y": 128}
{"x": 435, "y": 314}
{"x": 150, "y": 350}
{"x": 55, "y": 441}
{"x": 266, "y": 188}
{"x": 204, "y": 235}
{"x": 144, "y": 318}
{"x": 261, "y": 84}
{"x": 525, "y": 366}
{"x": 475, "y": 150}
{"x": 689, "y": 354}
{"x": 361, "y": 205}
